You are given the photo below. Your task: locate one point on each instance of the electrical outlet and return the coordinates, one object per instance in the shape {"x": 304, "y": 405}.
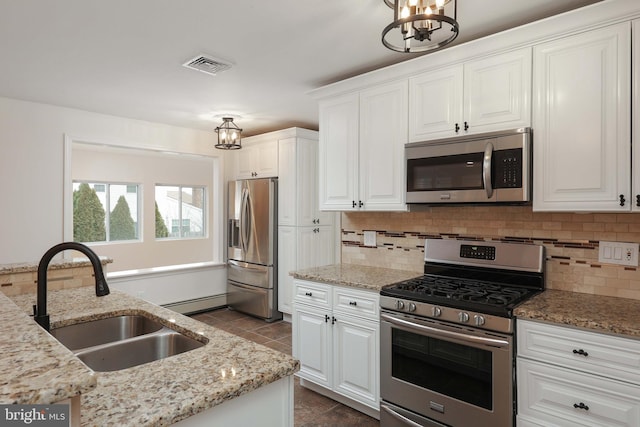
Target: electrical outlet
{"x": 370, "y": 238}
{"x": 618, "y": 253}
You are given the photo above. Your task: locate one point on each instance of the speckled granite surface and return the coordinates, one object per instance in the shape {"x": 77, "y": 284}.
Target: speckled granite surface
{"x": 35, "y": 368}
{"x": 357, "y": 276}
{"x": 598, "y": 313}
{"x": 161, "y": 392}
{"x": 55, "y": 264}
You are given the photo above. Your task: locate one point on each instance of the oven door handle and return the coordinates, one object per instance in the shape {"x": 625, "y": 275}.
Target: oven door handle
{"x": 486, "y": 169}
{"x": 444, "y": 334}
{"x": 400, "y": 417}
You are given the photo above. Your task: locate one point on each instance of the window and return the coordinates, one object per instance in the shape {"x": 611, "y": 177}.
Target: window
{"x": 180, "y": 212}
{"x": 180, "y": 224}
{"x": 105, "y": 212}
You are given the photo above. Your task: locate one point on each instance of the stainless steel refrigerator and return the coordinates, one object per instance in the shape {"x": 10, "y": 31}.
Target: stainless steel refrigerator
{"x": 252, "y": 270}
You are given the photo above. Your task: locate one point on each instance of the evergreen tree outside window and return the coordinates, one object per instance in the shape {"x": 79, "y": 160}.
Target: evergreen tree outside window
{"x": 104, "y": 212}
{"x": 183, "y": 208}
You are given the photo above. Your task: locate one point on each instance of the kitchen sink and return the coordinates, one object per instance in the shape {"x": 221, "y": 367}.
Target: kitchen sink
{"x": 122, "y": 342}
{"x": 102, "y": 331}
{"x": 137, "y": 351}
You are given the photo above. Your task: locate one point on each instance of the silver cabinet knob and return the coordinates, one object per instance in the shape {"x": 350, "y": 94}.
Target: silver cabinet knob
{"x": 463, "y": 316}
{"x": 400, "y": 305}
{"x": 478, "y": 320}
{"x": 412, "y": 307}
{"x": 436, "y": 312}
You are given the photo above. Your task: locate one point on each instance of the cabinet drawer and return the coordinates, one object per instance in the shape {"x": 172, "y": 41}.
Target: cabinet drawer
{"x": 606, "y": 355}
{"x": 356, "y": 302}
{"x": 555, "y": 396}
{"x": 316, "y": 294}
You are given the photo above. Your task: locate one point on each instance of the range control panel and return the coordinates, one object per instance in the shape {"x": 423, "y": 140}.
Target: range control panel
{"x": 478, "y": 252}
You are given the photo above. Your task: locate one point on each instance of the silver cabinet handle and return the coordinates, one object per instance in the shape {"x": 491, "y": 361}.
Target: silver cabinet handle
{"x": 486, "y": 169}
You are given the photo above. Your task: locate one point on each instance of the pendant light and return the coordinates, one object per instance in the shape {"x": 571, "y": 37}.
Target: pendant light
{"x": 421, "y": 25}
{"x": 229, "y": 135}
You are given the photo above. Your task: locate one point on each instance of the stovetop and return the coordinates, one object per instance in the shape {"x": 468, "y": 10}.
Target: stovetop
{"x": 469, "y": 282}
{"x": 481, "y": 296}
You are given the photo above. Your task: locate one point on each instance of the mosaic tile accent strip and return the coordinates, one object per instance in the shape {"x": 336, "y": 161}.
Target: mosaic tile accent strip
{"x": 571, "y": 241}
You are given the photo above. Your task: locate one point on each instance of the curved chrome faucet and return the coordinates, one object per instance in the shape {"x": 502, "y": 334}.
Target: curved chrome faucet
{"x": 40, "y": 311}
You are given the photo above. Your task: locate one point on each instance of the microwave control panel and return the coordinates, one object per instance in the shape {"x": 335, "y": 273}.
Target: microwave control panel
{"x": 507, "y": 166}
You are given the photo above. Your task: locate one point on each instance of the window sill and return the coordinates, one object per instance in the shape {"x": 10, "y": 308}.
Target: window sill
{"x": 166, "y": 270}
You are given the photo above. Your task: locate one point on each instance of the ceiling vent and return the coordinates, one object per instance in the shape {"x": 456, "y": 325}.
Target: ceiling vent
{"x": 208, "y": 64}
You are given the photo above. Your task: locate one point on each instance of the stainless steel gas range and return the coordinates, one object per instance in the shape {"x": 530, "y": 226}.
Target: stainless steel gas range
{"x": 446, "y": 338}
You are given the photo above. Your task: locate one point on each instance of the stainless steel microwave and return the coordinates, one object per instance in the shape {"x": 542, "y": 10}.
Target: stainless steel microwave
{"x": 484, "y": 168}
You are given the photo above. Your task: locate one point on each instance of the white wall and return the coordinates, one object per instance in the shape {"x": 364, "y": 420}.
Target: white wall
{"x": 31, "y": 178}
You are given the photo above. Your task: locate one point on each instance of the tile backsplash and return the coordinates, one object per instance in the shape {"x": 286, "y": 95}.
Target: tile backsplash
{"x": 571, "y": 241}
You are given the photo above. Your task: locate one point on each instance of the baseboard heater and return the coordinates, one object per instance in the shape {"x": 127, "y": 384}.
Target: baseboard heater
{"x": 198, "y": 304}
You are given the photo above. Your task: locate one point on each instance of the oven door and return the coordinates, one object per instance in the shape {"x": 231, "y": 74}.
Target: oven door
{"x": 454, "y": 375}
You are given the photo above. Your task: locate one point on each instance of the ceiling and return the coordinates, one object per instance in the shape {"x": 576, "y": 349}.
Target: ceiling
{"x": 124, "y": 57}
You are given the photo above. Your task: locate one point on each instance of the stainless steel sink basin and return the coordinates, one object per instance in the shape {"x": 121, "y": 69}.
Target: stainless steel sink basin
{"x": 137, "y": 351}
{"x": 102, "y": 331}
{"x": 122, "y": 342}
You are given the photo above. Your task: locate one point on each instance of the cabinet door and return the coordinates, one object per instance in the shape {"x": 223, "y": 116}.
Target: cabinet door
{"x": 287, "y": 185}
{"x": 339, "y": 153}
{"x": 257, "y": 160}
{"x": 435, "y": 104}
{"x": 383, "y": 133}
{"x": 245, "y": 162}
{"x": 325, "y": 252}
{"x": 315, "y": 246}
{"x": 286, "y": 263}
{"x": 581, "y": 122}
{"x": 311, "y": 343}
{"x": 497, "y": 92}
{"x": 562, "y": 397}
{"x": 355, "y": 366}
{"x": 307, "y": 182}
{"x": 266, "y": 159}
{"x": 636, "y": 116}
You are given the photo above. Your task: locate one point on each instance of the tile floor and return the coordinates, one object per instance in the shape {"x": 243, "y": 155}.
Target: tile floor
{"x": 311, "y": 409}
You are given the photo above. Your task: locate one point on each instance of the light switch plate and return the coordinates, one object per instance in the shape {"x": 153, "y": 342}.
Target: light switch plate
{"x": 370, "y": 238}
{"x": 618, "y": 253}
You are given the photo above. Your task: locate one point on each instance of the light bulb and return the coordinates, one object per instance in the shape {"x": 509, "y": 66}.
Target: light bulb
{"x": 234, "y": 136}
{"x": 413, "y": 2}
{"x": 405, "y": 12}
{"x": 439, "y": 4}
{"x": 429, "y": 11}
{"x": 223, "y": 135}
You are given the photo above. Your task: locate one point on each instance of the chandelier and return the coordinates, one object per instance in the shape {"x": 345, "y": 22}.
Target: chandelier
{"x": 420, "y": 25}
{"x": 228, "y": 135}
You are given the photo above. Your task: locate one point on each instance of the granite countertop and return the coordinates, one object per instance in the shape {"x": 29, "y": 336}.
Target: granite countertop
{"x": 357, "y": 276}
{"x": 55, "y": 264}
{"x": 35, "y": 368}
{"x": 598, "y": 313}
{"x": 158, "y": 393}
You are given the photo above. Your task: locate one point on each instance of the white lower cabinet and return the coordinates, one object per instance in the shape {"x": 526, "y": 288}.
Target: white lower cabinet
{"x": 569, "y": 377}
{"x": 336, "y": 338}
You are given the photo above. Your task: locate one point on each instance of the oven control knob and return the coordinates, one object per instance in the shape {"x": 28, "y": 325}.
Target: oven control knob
{"x": 412, "y": 307}
{"x": 463, "y": 316}
{"x": 478, "y": 320}
{"x": 400, "y": 305}
{"x": 436, "y": 312}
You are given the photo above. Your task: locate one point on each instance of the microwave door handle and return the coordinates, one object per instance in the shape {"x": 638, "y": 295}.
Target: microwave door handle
{"x": 486, "y": 169}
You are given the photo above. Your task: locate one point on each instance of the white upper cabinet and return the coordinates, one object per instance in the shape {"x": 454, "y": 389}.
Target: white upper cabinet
{"x": 635, "y": 130}
{"x": 339, "y": 152}
{"x": 362, "y": 139}
{"x": 298, "y": 202}
{"x": 256, "y": 160}
{"x": 581, "y": 122}
{"x": 485, "y": 95}
{"x": 383, "y": 133}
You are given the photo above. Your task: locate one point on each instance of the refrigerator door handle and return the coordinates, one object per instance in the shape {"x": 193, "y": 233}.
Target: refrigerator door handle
{"x": 244, "y": 221}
